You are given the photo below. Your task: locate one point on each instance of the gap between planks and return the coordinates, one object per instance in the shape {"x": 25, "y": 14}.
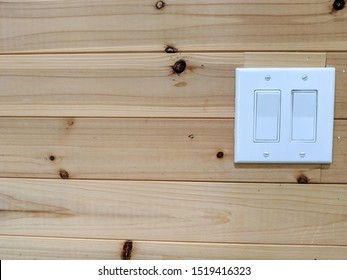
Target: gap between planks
{"x": 190, "y": 52}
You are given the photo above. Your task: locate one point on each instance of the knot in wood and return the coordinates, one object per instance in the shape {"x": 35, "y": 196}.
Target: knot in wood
{"x": 127, "y": 250}
{"x": 339, "y": 4}
{"x": 179, "y": 66}
{"x": 170, "y": 49}
{"x": 302, "y": 179}
{"x": 220, "y": 155}
{"x": 160, "y": 4}
{"x": 64, "y": 174}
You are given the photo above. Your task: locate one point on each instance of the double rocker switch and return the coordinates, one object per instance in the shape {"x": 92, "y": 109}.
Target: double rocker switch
{"x": 284, "y": 115}
{"x": 267, "y": 115}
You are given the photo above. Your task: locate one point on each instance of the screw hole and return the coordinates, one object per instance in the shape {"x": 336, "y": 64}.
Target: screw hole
{"x": 52, "y": 158}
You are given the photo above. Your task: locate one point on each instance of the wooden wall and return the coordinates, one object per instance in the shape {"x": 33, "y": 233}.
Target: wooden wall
{"x": 116, "y": 131}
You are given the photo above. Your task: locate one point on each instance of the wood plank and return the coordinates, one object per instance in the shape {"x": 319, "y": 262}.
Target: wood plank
{"x": 130, "y": 148}
{"x": 28, "y": 248}
{"x": 130, "y": 85}
{"x": 336, "y": 172}
{"x": 339, "y": 61}
{"x": 195, "y": 25}
{"x": 182, "y": 211}
{"x": 118, "y": 85}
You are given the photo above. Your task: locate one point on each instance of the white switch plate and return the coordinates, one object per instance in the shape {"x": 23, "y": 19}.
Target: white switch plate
{"x": 284, "y": 115}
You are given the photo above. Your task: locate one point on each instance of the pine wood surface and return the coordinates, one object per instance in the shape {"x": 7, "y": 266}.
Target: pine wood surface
{"x": 88, "y": 91}
{"x": 339, "y": 61}
{"x": 336, "y": 172}
{"x": 182, "y": 211}
{"x": 131, "y": 85}
{"x": 131, "y": 148}
{"x": 42, "y": 248}
{"x": 189, "y": 25}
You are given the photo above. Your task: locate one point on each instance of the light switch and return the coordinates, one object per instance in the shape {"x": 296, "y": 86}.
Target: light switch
{"x": 304, "y": 115}
{"x": 267, "y": 115}
{"x": 284, "y": 115}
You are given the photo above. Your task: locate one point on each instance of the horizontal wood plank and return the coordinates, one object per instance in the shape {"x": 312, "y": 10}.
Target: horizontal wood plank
{"x": 130, "y": 85}
{"x": 118, "y": 85}
{"x": 181, "y": 211}
{"x": 192, "y": 25}
{"x": 42, "y": 248}
{"x": 130, "y": 148}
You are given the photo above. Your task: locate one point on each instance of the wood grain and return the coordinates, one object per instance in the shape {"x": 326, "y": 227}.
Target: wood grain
{"x": 131, "y": 148}
{"x": 181, "y": 211}
{"x": 42, "y": 248}
{"x": 192, "y": 25}
{"x": 284, "y": 59}
{"x": 87, "y": 91}
{"x": 336, "y": 172}
{"x": 130, "y": 85}
{"x": 339, "y": 61}
{"x": 118, "y": 85}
